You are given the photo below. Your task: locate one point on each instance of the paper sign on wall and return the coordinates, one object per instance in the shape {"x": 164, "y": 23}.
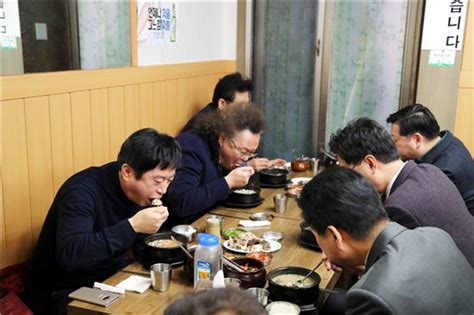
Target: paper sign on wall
{"x": 9, "y": 18}
{"x": 157, "y": 23}
{"x": 443, "y": 26}
{"x": 442, "y": 58}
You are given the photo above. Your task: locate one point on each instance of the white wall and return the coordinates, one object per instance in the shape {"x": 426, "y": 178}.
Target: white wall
{"x": 206, "y": 30}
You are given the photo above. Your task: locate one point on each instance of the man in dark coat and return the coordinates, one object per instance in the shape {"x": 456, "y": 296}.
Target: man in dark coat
{"x": 419, "y": 271}
{"x": 417, "y": 136}
{"x": 97, "y": 215}
{"x": 414, "y": 194}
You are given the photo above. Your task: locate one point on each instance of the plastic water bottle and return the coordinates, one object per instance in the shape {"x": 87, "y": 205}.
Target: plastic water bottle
{"x": 207, "y": 258}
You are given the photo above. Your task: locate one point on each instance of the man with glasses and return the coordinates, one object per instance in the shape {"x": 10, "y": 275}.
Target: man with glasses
{"x": 414, "y": 195}
{"x": 97, "y": 216}
{"x": 215, "y": 156}
{"x": 231, "y": 89}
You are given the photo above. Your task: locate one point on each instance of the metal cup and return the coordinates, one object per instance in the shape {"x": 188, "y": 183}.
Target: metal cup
{"x": 232, "y": 283}
{"x": 160, "y": 276}
{"x": 260, "y": 294}
{"x": 218, "y": 217}
{"x": 280, "y": 201}
{"x": 314, "y": 165}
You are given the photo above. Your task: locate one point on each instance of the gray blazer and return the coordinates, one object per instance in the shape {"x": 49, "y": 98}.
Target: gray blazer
{"x": 418, "y": 271}
{"x": 423, "y": 196}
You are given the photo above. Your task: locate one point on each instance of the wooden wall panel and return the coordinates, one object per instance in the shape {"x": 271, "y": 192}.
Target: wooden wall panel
{"x": 100, "y": 126}
{"x": 116, "y": 120}
{"x": 61, "y": 138}
{"x": 81, "y": 130}
{"x": 55, "y": 124}
{"x": 40, "y": 168}
{"x": 16, "y": 183}
{"x": 145, "y": 95}
{"x": 131, "y": 109}
{"x": 464, "y": 126}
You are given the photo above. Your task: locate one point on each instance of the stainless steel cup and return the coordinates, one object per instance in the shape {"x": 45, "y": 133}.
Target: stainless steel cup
{"x": 260, "y": 294}
{"x": 280, "y": 201}
{"x": 160, "y": 276}
{"x": 232, "y": 283}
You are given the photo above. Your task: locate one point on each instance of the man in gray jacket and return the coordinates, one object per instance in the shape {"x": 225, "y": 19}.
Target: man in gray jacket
{"x": 418, "y": 271}
{"x": 414, "y": 195}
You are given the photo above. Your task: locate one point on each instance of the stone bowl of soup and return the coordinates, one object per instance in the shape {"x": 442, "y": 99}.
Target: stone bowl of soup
{"x": 160, "y": 248}
{"x": 244, "y": 196}
{"x": 283, "y": 285}
{"x": 254, "y": 275}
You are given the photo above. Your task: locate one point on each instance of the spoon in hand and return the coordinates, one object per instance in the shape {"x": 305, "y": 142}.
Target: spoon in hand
{"x": 300, "y": 281}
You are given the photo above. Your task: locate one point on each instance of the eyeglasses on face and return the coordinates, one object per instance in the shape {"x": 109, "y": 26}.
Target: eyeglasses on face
{"x": 242, "y": 152}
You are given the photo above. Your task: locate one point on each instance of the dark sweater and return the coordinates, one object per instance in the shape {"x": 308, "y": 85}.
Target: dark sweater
{"x": 423, "y": 196}
{"x": 199, "y": 183}
{"x": 86, "y": 233}
{"x": 452, "y": 157}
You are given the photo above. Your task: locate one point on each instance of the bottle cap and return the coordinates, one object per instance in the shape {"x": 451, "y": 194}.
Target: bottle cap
{"x": 206, "y": 239}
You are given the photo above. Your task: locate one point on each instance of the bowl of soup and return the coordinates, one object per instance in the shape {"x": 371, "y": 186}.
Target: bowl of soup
{"x": 244, "y": 196}
{"x": 253, "y": 276}
{"x": 161, "y": 248}
{"x": 284, "y": 285}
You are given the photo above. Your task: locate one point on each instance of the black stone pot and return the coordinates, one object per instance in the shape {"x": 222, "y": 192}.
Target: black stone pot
{"x": 153, "y": 255}
{"x": 240, "y": 198}
{"x": 273, "y": 176}
{"x": 300, "y": 296}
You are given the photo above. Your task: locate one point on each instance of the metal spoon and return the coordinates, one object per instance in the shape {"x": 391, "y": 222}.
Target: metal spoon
{"x": 309, "y": 273}
{"x": 182, "y": 247}
{"x": 232, "y": 264}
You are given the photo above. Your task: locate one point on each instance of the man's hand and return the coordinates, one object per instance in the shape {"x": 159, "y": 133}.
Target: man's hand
{"x": 261, "y": 163}
{"x": 330, "y": 266}
{"x": 149, "y": 220}
{"x": 239, "y": 176}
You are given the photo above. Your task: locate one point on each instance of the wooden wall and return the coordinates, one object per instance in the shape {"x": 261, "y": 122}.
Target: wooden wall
{"x": 55, "y": 124}
{"x": 464, "y": 124}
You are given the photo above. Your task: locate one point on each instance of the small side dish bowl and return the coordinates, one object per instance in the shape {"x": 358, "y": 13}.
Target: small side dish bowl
{"x": 188, "y": 232}
{"x": 262, "y": 216}
{"x": 272, "y": 236}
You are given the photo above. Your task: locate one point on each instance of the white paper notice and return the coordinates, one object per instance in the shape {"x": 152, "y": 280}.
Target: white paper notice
{"x": 9, "y": 19}
{"x": 443, "y": 26}
{"x": 442, "y": 58}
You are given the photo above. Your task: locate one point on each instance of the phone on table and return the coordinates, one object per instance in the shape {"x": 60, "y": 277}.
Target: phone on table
{"x": 94, "y": 296}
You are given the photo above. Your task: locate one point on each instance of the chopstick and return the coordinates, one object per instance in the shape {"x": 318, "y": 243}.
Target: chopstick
{"x": 232, "y": 264}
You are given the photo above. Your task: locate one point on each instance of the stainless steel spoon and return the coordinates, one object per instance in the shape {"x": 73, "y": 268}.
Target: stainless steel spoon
{"x": 309, "y": 273}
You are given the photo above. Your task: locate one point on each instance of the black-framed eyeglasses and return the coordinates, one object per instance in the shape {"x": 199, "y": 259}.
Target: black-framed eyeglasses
{"x": 243, "y": 154}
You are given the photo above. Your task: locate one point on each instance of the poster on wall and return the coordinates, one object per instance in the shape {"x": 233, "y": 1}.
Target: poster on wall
{"x": 156, "y": 23}
{"x": 9, "y": 23}
{"x": 443, "y": 26}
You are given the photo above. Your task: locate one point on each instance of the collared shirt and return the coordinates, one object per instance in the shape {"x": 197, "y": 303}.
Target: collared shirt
{"x": 390, "y": 184}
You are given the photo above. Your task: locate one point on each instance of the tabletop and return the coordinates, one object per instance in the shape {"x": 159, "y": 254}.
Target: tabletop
{"x": 290, "y": 254}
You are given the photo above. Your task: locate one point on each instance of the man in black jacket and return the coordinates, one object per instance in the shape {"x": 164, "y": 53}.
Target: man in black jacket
{"x": 418, "y": 271}
{"x": 417, "y": 136}
{"x": 97, "y": 215}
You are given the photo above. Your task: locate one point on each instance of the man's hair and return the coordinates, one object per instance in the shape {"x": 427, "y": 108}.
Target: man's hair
{"x": 228, "y": 85}
{"x": 146, "y": 149}
{"x": 415, "y": 118}
{"x": 231, "y": 120}
{"x": 362, "y": 137}
{"x": 343, "y": 198}
{"x": 215, "y": 302}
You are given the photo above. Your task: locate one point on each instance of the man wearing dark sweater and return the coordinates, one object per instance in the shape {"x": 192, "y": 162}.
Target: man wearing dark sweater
{"x": 97, "y": 216}
{"x": 417, "y": 136}
{"x": 415, "y": 195}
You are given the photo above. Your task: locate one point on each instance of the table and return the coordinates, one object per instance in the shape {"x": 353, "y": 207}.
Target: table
{"x": 153, "y": 302}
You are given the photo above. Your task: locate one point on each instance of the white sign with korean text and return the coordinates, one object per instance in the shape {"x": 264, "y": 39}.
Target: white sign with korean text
{"x": 9, "y": 18}
{"x": 443, "y": 26}
{"x": 156, "y": 23}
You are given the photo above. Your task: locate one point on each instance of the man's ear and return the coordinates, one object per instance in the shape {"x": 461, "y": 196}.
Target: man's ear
{"x": 332, "y": 231}
{"x": 371, "y": 162}
{"x": 221, "y": 104}
{"x": 127, "y": 172}
{"x": 418, "y": 139}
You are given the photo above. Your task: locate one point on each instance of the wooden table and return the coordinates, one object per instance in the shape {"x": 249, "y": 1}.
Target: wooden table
{"x": 153, "y": 302}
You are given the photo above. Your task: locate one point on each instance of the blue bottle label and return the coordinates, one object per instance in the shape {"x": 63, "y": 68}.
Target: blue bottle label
{"x": 203, "y": 270}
